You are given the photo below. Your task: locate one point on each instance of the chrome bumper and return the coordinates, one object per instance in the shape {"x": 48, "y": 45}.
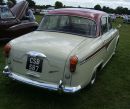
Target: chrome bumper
{"x": 61, "y": 87}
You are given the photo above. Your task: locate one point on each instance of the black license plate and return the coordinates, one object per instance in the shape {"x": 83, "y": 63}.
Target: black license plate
{"x": 34, "y": 64}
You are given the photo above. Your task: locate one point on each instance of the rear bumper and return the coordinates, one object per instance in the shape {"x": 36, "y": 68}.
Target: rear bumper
{"x": 54, "y": 87}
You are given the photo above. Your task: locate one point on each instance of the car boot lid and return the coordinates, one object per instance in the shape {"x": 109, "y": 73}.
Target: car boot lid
{"x": 19, "y": 9}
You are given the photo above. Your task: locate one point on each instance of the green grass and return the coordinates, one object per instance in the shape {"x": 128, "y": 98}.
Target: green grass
{"x": 38, "y": 18}
{"x": 111, "y": 90}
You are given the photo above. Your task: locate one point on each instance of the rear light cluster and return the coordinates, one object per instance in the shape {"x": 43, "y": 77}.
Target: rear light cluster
{"x": 73, "y": 63}
{"x": 7, "y": 49}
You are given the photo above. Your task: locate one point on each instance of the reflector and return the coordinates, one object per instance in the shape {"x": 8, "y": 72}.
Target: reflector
{"x": 73, "y": 63}
{"x": 7, "y": 49}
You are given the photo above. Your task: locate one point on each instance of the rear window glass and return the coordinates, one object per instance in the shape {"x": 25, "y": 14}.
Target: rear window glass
{"x": 69, "y": 24}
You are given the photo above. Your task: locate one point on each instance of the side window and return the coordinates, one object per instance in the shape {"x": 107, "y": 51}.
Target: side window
{"x": 104, "y": 27}
{"x": 53, "y": 24}
{"x": 64, "y": 21}
{"x": 109, "y": 23}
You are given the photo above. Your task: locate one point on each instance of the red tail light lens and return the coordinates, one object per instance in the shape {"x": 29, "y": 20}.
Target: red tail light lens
{"x": 7, "y": 49}
{"x": 73, "y": 63}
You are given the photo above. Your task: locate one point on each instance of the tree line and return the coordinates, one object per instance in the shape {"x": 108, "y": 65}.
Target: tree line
{"x": 2, "y": 1}
{"x": 58, "y": 4}
{"x": 118, "y": 10}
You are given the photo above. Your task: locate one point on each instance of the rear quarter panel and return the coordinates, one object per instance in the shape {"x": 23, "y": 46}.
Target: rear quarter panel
{"x": 90, "y": 55}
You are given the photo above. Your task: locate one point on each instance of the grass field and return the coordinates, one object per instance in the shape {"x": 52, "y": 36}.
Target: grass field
{"x": 111, "y": 90}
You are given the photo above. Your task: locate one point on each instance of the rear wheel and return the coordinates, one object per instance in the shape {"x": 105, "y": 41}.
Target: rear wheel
{"x": 115, "y": 49}
{"x": 93, "y": 79}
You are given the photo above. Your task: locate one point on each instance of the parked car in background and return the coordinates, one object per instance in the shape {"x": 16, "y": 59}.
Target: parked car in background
{"x": 65, "y": 52}
{"x": 113, "y": 17}
{"x": 12, "y": 23}
{"x": 37, "y": 11}
{"x": 45, "y": 11}
{"x": 126, "y": 19}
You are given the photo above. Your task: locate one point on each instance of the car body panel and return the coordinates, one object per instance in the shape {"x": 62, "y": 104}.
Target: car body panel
{"x": 19, "y": 9}
{"x": 15, "y": 26}
{"x": 98, "y": 54}
{"x": 46, "y": 40}
{"x": 56, "y": 49}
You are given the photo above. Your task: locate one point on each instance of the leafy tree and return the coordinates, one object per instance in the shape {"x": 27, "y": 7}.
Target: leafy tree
{"x": 58, "y": 4}
{"x": 125, "y": 10}
{"x": 31, "y": 3}
{"x": 1, "y": 1}
{"x": 129, "y": 12}
{"x": 40, "y": 6}
{"x": 97, "y": 7}
{"x": 13, "y": 1}
{"x": 111, "y": 10}
{"x": 47, "y": 6}
{"x": 119, "y": 10}
{"x": 108, "y": 10}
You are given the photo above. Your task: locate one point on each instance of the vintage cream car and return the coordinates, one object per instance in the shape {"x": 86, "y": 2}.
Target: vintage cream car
{"x": 66, "y": 51}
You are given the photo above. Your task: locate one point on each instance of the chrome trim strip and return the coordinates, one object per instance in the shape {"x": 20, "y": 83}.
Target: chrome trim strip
{"x": 24, "y": 23}
{"x": 97, "y": 51}
{"x": 35, "y": 54}
{"x": 39, "y": 84}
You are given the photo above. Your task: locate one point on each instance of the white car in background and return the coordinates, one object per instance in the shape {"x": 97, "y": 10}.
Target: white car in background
{"x": 126, "y": 19}
{"x": 45, "y": 11}
{"x": 113, "y": 17}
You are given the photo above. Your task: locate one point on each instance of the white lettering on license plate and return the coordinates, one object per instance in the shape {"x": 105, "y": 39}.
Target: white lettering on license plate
{"x": 34, "y": 61}
{"x": 34, "y": 64}
{"x": 33, "y": 67}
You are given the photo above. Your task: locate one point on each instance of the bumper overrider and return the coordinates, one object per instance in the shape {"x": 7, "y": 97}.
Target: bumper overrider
{"x": 54, "y": 87}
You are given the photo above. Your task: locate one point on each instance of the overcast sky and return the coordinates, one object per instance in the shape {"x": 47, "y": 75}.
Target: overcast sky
{"x": 87, "y": 3}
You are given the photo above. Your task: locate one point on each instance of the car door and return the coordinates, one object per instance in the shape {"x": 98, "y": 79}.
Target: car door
{"x": 108, "y": 37}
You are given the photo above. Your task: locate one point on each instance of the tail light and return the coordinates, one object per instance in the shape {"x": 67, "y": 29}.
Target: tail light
{"x": 7, "y": 49}
{"x": 73, "y": 63}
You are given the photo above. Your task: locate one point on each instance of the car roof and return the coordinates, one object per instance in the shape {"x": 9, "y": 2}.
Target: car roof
{"x": 88, "y": 13}
{"x": 81, "y": 12}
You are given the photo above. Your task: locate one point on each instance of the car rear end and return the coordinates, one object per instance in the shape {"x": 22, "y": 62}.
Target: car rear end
{"x": 42, "y": 67}
{"x": 34, "y": 68}
{"x": 46, "y": 58}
